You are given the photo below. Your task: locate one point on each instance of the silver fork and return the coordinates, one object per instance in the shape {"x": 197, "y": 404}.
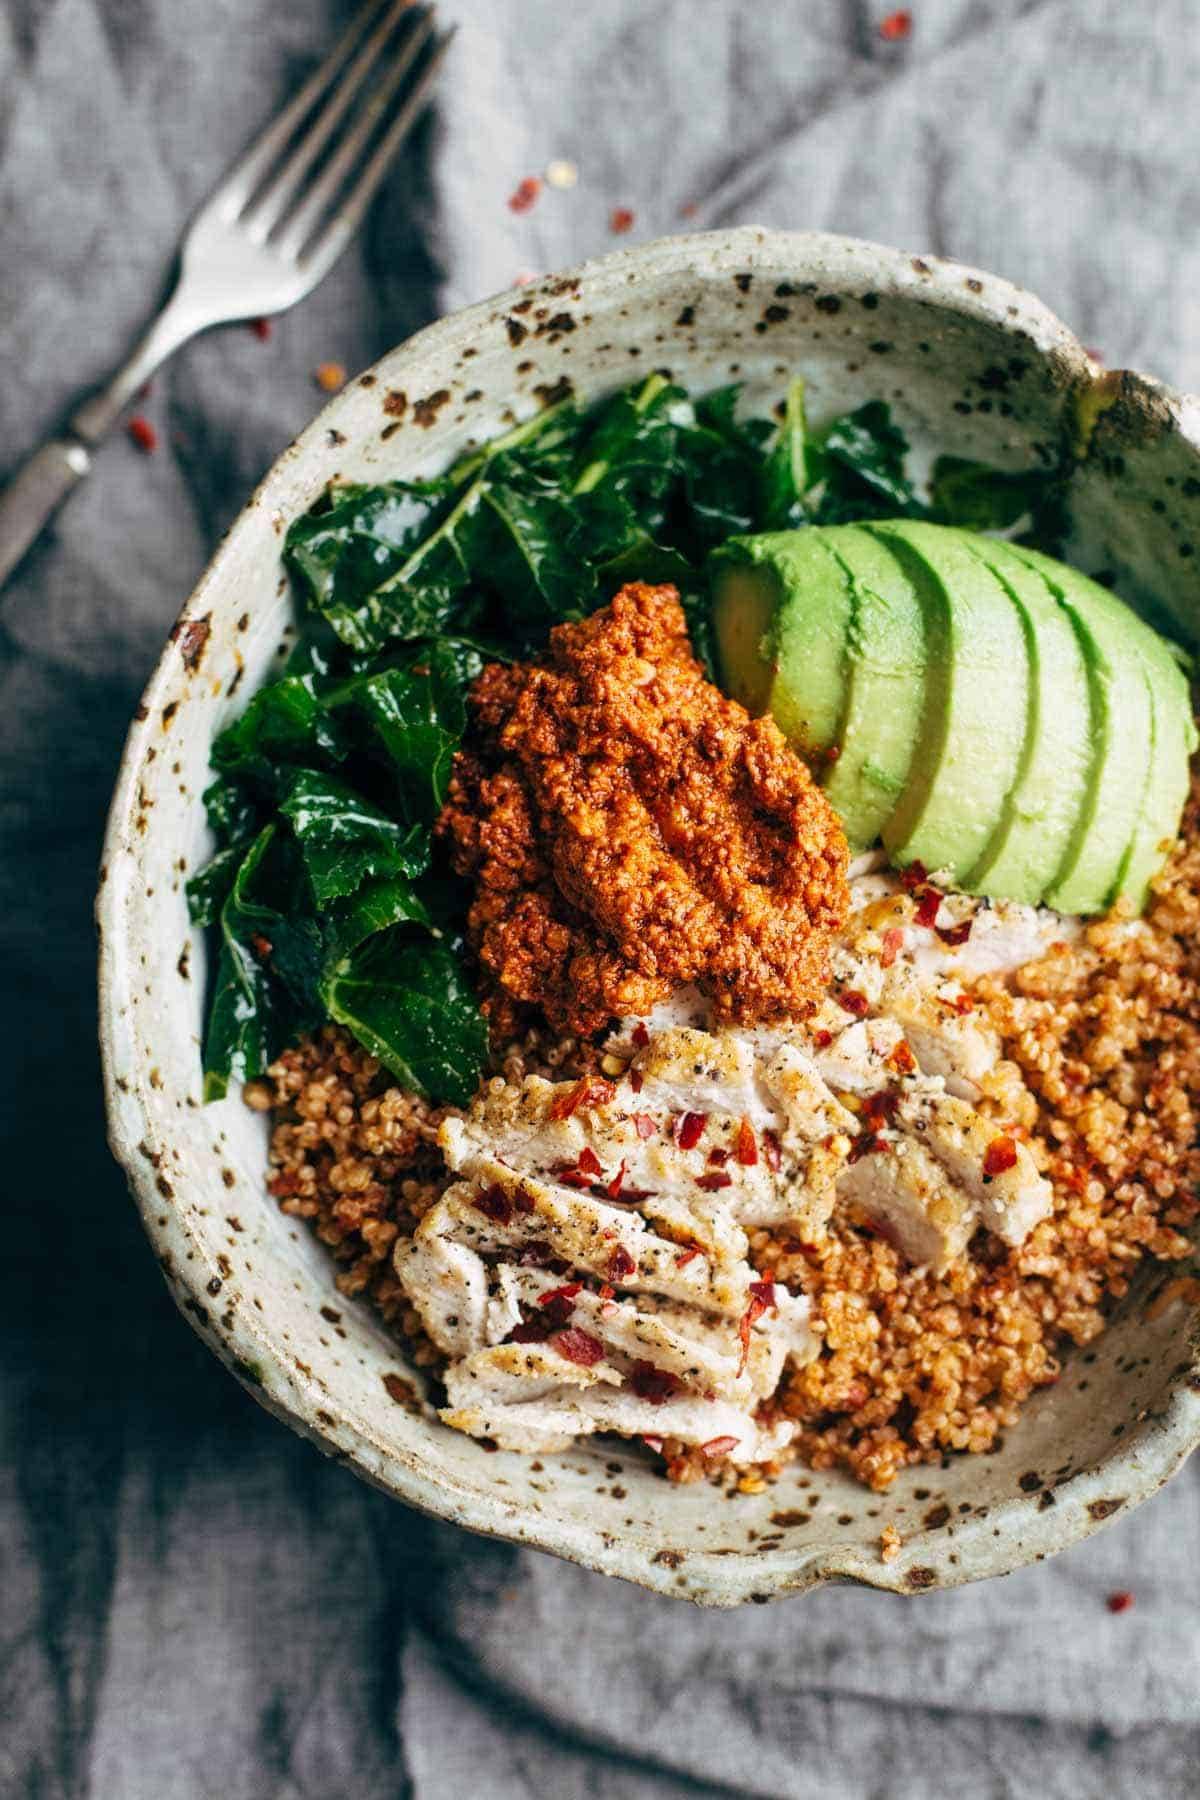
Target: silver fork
{"x": 264, "y": 239}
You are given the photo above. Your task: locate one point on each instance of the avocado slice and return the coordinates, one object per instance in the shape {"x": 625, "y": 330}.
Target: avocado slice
{"x": 781, "y": 613}
{"x": 886, "y": 686}
{"x": 1144, "y": 781}
{"x": 1030, "y": 843}
{"x": 973, "y": 722}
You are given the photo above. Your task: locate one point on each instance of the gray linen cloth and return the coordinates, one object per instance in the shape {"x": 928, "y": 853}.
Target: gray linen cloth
{"x": 192, "y": 1602}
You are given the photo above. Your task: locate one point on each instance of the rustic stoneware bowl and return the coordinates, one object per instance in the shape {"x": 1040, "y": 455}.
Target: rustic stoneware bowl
{"x": 970, "y": 365}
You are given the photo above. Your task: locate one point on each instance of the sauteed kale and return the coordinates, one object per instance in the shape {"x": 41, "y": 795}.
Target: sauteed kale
{"x": 325, "y": 897}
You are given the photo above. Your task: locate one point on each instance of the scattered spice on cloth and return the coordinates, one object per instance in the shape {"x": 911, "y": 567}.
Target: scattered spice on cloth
{"x": 896, "y": 27}
{"x": 330, "y": 376}
{"x": 620, "y": 220}
{"x": 525, "y": 194}
{"x": 143, "y": 434}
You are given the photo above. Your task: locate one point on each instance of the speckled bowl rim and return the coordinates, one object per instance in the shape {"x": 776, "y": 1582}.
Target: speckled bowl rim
{"x": 1138, "y": 1470}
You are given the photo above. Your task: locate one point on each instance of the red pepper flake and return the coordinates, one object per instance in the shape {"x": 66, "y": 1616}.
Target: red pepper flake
{"x": 689, "y": 1129}
{"x": 620, "y": 220}
{"x": 261, "y": 328}
{"x": 747, "y": 1146}
{"x": 653, "y": 1443}
{"x": 607, "y": 1292}
{"x": 686, "y": 1256}
{"x": 495, "y": 1204}
{"x": 902, "y": 1058}
{"x": 896, "y": 27}
{"x": 524, "y": 195}
{"x": 822, "y": 1039}
{"x": 262, "y": 946}
{"x": 641, "y": 1036}
{"x": 868, "y": 1143}
{"x": 645, "y": 1125}
{"x": 578, "y": 1347}
{"x": 955, "y": 934}
{"x": 772, "y": 1151}
{"x": 916, "y": 875}
{"x": 762, "y": 1299}
{"x": 1119, "y": 1602}
{"x": 893, "y": 943}
{"x": 635, "y": 1081}
{"x": 143, "y": 434}
{"x": 712, "y": 1183}
{"x": 879, "y": 1108}
{"x": 523, "y": 1202}
{"x": 652, "y": 1384}
{"x": 530, "y": 1331}
{"x": 1000, "y": 1154}
{"x": 613, "y": 1187}
{"x": 592, "y": 1090}
{"x": 588, "y": 1161}
{"x": 718, "y": 1158}
{"x": 567, "y": 1292}
{"x": 854, "y": 1002}
{"x": 719, "y": 1446}
{"x": 567, "y": 1175}
{"x": 330, "y": 376}
{"x": 689, "y": 209}
{"x": 621, "y": 1264}
{"x": 929, "y": 900}
{"x": 963, "y": 1004}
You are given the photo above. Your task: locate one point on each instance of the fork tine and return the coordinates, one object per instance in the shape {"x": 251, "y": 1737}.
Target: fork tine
{"x": 301, "y": 224}
{"x": 348, "y": 217}
{"x": 265, "y": 211}
{"x": 256, "y": 163}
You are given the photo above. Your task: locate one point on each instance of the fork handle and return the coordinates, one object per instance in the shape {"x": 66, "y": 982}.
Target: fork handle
{"x": 35, "y": 492}
{"x": 41, "y": 485}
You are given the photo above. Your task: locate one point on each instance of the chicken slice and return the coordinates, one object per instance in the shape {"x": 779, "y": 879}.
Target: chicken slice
{"x": 907, "y": 1195}
{"x": 527, "y": 1398}
{"x": 1009, "y": 1201}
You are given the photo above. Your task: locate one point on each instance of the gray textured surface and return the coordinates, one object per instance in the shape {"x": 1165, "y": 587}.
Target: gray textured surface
{"x": 192, "y": 1603}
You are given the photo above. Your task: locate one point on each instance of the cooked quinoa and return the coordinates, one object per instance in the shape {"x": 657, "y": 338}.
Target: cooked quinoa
{"x": 1102, "y": 1080}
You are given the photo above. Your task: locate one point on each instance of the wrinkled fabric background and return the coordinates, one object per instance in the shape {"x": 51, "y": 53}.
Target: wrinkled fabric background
{"x": 192, "y": 1602}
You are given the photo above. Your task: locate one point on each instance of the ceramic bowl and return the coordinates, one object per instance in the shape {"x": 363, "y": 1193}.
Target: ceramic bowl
{"x": 970, "y": 365}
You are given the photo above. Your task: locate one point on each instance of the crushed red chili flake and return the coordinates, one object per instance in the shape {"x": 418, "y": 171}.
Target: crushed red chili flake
{"x": 530, "y": 1331}
{"x": 772, "y": 1151}
{"x": 645, "y": 1125}
{"x": 621, "y": 1264}
{"x": 578, "y": 1346}
{"x": 590, "y": 1090}
{"x": 620, "y": 220}
{"x": 914, "y": 876}
{"x": 1119, "y": 1602}
{"x": 607, "y": 1292}
{"x": 963, "y": 1003}
{"x": 635, "y": 1081}
{"x": 588, "y": 1161}
{"x": 495, "y": 1204}
{"x": 538, "y": 1254}
{"x": 524, "y": 195}
{"x": 652, "y": 1384}
{"x": 613, "y": 1187}
{"x": 143, "y": 434}
{"x": 261, "y": 328}
{"x": 714, "y": 1182}
{"x": 523, "y": 1202}
{"x": 896, "y": 27}
{"x": 718, "y": 1158}
{"x": 567, "y": 1292}
{"x": 955, "y": 934}
{"x": 262, "y": 946}
{"x": 719, "y": 1446}
{"x": 929, "y": 902}
{"x": 762, "y": 1299}
{"x": 854, "y": 1002}
{"x": 880, "y": 1107}
{"x": 689, "y": 1129}
{"x": 868, "y": 1143}
{"x": 822, "y": 1039}
{"x": 902, "y": 1058}
{"x": 893, "y": 943}
{"x": 1000, "y": 1154}
{"x": 652, "y": 1443}
{"x": 747, "y": 1147}
{"x": 685, "y": 1256}
{"x": 641, "y": 1037}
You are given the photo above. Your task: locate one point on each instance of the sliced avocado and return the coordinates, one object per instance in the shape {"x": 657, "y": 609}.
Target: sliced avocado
{"x": 1040, "y": 814}
{"x": 1144, "y": 782}
{"x": 976, "y": 701}
{"x": 886, "y": 686}
{"x": 781, "y": 612}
